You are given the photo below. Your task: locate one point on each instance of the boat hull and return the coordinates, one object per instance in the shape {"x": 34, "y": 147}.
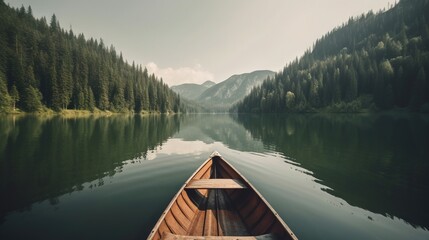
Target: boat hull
{"x": 217, "y": 202}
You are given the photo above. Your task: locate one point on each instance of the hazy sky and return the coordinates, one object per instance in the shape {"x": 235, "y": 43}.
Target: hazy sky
{"x": 199, "y": 40}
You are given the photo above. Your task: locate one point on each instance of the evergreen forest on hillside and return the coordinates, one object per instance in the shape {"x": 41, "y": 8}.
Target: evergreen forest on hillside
{"x": 372, "y": 62}
{"x": 42, "y": 65}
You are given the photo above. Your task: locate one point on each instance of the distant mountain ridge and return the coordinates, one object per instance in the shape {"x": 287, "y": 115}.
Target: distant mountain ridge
{"x": 208, "y": 84}
{"x": 192, "y": 91}
{"x": 221, "y": 96}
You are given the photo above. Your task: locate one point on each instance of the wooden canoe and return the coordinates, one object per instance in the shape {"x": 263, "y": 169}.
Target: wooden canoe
{"x": 217, "y": 202}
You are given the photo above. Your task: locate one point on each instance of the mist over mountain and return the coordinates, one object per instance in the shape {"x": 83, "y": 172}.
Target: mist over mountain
{"x": 208, "y": 84}
{"x": 220, "y": 97}
{"x": 192, "y": 91}
{"x": 223, "y": 95}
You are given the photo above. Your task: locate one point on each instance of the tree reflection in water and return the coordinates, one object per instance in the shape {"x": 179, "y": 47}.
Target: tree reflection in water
{"x": 45, "y": 157}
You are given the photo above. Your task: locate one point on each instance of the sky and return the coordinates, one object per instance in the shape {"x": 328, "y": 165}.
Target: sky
{"x": 192, "y": 41}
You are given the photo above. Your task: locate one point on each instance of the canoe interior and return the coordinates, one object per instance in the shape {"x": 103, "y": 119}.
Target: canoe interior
{"x": 219, "y": 212}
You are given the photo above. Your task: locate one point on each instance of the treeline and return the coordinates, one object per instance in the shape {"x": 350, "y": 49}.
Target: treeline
{"x": 374, "y": 61}
{"x": 43, "y": 65}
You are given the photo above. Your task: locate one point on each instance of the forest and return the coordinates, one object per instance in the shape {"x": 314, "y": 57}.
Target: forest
{"x": 43, "y": 66}
{"x": 373, "y": 62}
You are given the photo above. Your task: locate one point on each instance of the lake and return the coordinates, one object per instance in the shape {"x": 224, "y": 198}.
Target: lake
{"x": 328, "y": 176}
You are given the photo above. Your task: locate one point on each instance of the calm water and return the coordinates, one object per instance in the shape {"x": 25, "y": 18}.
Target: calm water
{"x": 329, "y": 177}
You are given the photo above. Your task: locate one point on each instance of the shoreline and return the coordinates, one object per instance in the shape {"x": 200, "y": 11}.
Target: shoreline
{"x": 72, "y": 113}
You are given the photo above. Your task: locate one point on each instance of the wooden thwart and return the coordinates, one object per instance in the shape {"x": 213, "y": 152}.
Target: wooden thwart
{"x": 169, "y": 236}
{"x": 219, "y": 183}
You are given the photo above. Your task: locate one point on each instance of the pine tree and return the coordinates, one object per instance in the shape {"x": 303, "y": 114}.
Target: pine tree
{"x": 5, "y": 99}
{"x": 29, "y": 77}
{"x": 336, "y": 87}
{"x": 129, "y": 96}
{"x": 54, "y": 24}
{"x": 65, "y": 84}
{"x": 14, "y": 95}
{"x": 55, "y": 90}
{"x": 101, "y": 90}
{"x": 314, "y": 93}
{"x": 32, "y": 99}
{"x": 146, "y": 103}
{"x": 351, "y": 87}
{"x": 90, "y": 100}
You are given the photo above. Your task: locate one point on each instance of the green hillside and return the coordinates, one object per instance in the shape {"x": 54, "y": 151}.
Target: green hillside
{"x": 373, "y": 62}
{"x": 43, "y": 65}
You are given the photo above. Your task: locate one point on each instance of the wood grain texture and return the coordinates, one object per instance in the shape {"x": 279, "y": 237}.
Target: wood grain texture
{"x": 181, "y": 218}
{"x": 192, "y": 205}
{"x": 221, "y": 183}
{"x": 173, "y": 225}
{"x": 169, "y": 236}
{"x": 189, "y": 213}
{"x": 197, "y": 226}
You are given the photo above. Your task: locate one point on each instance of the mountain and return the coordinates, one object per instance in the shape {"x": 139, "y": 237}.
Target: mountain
{"x": 192, "y": 91}
{"x": 42, "y": 65}
{"x": 373, "y": 62}
{"x": 208, "y": 84}
{"x": 222, "y": 96}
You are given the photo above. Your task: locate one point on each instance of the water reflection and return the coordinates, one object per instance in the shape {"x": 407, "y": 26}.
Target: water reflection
{"x": 379, "y": 163}
{"x": 337, "y": 176}
{"x": 211, "y": 128}
{"x": 43, "y": 158}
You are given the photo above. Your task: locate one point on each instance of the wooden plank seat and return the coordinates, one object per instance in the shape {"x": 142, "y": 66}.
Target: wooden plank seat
{"x": 218, "y": 183}
{"x": 170, "y": 236}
